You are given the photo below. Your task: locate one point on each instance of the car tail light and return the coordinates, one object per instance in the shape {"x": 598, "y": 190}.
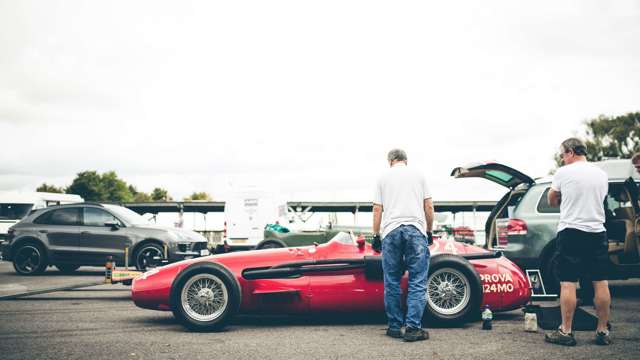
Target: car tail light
{"x": 224, "y": 232}
{"x": 510, "y": 227}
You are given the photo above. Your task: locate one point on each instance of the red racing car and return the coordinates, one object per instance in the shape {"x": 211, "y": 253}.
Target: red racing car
{"x": 342, "y": 275}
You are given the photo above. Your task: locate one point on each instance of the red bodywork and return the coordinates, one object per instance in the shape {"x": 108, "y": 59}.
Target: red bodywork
{"x": 505, "y": 286}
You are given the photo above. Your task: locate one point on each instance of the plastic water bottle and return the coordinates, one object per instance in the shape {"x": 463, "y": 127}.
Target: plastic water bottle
{"x": 487, "y": 316}
{"x": 530, "y": 318}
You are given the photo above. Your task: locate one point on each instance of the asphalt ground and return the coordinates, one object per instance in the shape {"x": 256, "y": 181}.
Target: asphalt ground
{"x": 101, "y": 322}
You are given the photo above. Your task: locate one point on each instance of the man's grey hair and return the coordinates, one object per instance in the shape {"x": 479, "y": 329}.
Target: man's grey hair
{"x": 397, "y": 155}
{"x": 635, "y": 158}
{"x": 576, "y": 145}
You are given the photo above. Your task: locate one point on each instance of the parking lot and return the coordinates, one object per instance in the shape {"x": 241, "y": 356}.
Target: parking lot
{"x": 101, "y": 322}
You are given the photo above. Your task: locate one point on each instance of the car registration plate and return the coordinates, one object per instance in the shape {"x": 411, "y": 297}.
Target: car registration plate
{"x": 204, "y": 252}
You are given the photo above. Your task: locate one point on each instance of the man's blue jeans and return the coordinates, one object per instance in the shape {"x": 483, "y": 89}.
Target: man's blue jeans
{"x": 405, "y": 247}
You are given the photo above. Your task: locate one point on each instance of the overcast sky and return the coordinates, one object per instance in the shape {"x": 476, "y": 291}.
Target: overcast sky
{"x": 304, "y": 98}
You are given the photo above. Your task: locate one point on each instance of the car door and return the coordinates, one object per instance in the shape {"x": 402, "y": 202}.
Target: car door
{"x": 62, "y": 228}
{"x": 98, "y": 240}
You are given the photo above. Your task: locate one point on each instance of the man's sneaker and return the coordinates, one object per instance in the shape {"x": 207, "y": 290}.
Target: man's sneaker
{"x": 603, "y": 338}
{"x": 561, "y": 338}
{"x": 415, "y": 334}
{"x": 397, "y": 334}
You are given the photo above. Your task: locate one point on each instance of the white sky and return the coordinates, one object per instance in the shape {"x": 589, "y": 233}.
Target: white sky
{"x": 304, "y": 98}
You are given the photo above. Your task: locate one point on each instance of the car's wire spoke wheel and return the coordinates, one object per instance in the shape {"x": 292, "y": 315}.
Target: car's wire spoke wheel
{"x": 148, "y": 257}
{"x": 204, "y": 297}
{"x": 28, "y": 259}
{"x": 448, "y": 291}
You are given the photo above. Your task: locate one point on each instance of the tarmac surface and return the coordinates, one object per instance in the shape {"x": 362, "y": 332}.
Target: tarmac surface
{"x": 101, "y": 322}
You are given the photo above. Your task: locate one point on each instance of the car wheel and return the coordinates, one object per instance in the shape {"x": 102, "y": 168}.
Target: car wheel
{"x": 67, "y": 268}
{"x": 205, "y": 297}
{"x": 454, "y": 290}
{"x": 30, "y": 259}
{"x": 550, "y": 277}
{"x": 148, "y": 256}
{"x": 270, "y": 245}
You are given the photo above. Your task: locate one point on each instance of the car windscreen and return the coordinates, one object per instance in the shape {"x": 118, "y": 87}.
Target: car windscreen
{"x": 127, "y": 215}
{"x": 343, "y": 238}
{"x": 9, "y": 211}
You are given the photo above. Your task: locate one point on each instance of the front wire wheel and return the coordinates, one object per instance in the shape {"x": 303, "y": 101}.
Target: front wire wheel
{"x": 204, "y": 297}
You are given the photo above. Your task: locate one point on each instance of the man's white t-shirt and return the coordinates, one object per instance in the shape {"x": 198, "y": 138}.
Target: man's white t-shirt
{"x": 401, "y": 191}
{"x": 583, "y": 187}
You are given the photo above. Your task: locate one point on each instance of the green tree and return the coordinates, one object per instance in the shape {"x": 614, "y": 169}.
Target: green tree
{"x": 198, "y": 196}
{"x": 50, "y": 188}
{"x": 611, "y": 137}
{"x": 160, "y": 194}
{"x": 87, "y": 184}
{"x": 115, "y": 189}
{"x": 139, "y": 196}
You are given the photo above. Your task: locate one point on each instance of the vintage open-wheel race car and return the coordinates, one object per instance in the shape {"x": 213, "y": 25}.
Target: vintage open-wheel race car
{"x": 342, "y": 275}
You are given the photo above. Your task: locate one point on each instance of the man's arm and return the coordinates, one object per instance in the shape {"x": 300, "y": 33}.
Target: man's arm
{"x": 377, "y": 218}
{"x": 554, "y": 198}
{"x": 428, "y": 212}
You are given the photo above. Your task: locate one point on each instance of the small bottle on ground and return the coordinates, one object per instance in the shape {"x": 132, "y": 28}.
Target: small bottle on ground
{"x": 487, "y": 316}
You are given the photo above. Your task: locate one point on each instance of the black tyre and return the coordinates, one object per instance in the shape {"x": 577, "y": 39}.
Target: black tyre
{"x": 148, "y": 256}
{"x": 454, "y": 291}
{"x": 550, "y": 276}
{"x": 270, "y": 245}
{"x": 205, "y": 297}
{"x": 30, "y": 259}
{"x": 67, "y": 268}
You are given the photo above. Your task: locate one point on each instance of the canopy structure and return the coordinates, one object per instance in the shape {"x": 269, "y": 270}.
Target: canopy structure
{"x": 297, "y": 206}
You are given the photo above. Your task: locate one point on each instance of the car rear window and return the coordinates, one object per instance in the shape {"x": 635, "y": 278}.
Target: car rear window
{"x": 66, "y": 216}
{"x": 543, "y": 204}
{"x": 499, "y": 175}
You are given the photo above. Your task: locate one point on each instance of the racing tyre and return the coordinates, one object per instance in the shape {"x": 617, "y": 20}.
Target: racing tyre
{"x": 205, "y": 297}
{"x": 146, "y": 256}
{"x": 454, "y": 291}
{"x": 30, "y": 259}
{"x": 67, "y": 268}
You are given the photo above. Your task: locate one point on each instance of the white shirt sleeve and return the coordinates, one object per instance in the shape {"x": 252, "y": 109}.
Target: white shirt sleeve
{"x": 377, "y": 194}
{"x": 425, "y": 189}
{"x": 557, "y": 180}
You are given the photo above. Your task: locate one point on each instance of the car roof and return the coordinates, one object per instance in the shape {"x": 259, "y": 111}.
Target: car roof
{"x": 618, "y": 170}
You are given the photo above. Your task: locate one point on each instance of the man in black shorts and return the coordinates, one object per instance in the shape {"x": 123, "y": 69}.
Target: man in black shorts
{"x": 580, "y": 188}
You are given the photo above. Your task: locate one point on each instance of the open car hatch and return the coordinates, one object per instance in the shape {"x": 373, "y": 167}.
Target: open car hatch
{"x": 498, "y": 173}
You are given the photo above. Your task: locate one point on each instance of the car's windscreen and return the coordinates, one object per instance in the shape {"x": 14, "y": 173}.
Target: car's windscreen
{"x": 10, "y": 211}
{"x": 343, "y": 238}
{"x": 127, "y": 215}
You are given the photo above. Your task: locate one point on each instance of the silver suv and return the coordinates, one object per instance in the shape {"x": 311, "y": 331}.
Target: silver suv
{"x": 524, "y": 226}
{"x": 69, "y": 236}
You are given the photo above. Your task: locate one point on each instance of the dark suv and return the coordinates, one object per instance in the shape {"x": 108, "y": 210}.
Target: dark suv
{"x": 524, "y": 226}
{"x": 69, "y": 236}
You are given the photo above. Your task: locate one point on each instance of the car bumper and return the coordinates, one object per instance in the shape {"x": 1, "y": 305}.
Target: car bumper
{"x": 4, "y": 250}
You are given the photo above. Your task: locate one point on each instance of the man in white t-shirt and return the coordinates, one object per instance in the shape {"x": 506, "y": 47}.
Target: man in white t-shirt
{"x": 402, "y": 204}
{"x": 580, "y": 188}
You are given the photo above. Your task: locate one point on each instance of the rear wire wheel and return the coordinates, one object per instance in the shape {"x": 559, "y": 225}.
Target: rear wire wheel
{"x": 454, "y": 291}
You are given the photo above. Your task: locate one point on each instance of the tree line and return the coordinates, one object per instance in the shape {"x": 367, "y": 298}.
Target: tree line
{"x": 611, "y": 137}
{"x": 108, "y": 187}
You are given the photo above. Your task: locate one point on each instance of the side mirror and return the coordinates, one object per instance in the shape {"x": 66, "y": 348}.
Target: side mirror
{"x": 114, "y": 225}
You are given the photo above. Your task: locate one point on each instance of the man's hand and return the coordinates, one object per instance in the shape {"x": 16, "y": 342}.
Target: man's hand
{"x": 429, "y": 238}
{"x": 376, "y": 244}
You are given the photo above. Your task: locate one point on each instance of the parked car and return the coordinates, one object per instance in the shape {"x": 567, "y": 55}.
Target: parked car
{"x": 70, "y": 236}
{"x": 523, "y": 224}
